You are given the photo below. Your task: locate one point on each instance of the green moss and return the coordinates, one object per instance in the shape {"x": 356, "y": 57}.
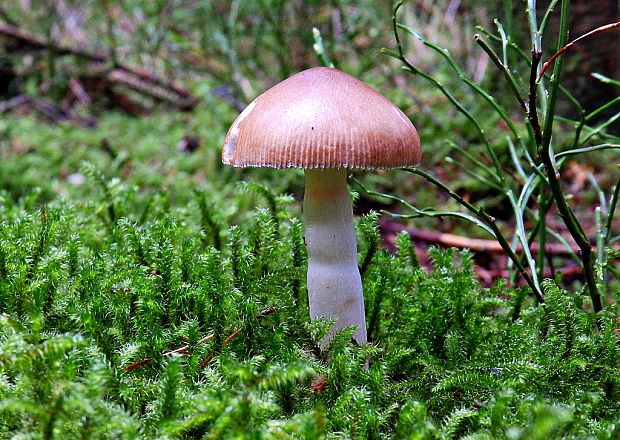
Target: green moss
{"x": 83, "y": 297}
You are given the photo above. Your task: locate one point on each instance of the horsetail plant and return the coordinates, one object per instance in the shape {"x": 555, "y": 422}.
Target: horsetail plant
{"x": 535, "y": 186}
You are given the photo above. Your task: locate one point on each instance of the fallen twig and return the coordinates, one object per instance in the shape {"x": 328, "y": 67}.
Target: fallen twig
{"x": 78, "y": 90}
{"x": 180, "y": 350}
{"x": 183, "y": 350}
{"x": 231, "y": 336}
{"x": 137, "y": 79}
{"x": 33, "y": 42}
{"x": 51, "y": 111}
{"x": 12, "y": 103}
{"x": 489, "y": 276}
{"x": 474, "y": 244}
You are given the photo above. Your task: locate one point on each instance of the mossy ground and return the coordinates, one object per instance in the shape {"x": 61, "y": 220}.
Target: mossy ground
{"x": 116, "y": 249}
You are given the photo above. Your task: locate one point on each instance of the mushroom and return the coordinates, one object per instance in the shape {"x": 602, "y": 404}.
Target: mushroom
{"x": 326, "y": 122}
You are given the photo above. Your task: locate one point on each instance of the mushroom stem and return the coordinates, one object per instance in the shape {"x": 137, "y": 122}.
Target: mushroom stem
{"x": 334, "y": 282}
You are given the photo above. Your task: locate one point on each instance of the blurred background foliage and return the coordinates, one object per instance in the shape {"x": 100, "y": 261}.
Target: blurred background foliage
{"x": 248, "y": 46}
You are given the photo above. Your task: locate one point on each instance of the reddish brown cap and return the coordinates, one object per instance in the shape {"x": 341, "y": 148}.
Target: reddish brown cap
{"x": 322, "y": 118}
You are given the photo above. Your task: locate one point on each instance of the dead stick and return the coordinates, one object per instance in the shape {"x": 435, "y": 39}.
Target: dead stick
{"x": 226, "y": 341}
{"x": 232, "y": 335}
{"x": 78, "y": 90}
{"x": 48, "y": 109}
{"x": 182, "y": 350}
{"x": 34, "y": 42}
{"x": 122, "y": 77}
{"x": 474, "y": 244}
{"x": 138, "y": 364}
{"x": 206, "y": 361}
{"x": 14, "y": 102}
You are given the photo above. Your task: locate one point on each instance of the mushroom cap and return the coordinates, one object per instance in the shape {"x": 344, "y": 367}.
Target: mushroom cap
{"x": 322, "y": 118}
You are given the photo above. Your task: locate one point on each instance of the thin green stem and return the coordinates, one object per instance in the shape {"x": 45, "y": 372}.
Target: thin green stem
{"x": 544, "y": 151}
{"x": 542, "y": 236}
{"x": 612, "y": 209}
{"x": 509, "y": 44}
{"x": 445, "y": 54}
{"x": 580, "y": 125}
{"x": 418, "y": 213}
{"x": 602, "y": 108}
{"x": 507, "y": 15}
{"x": 512, "y": 82}
{"x": 474, "y": 175}
{"x": 524, "y": 56}
{"x": 504, "y": 37}
{"x": 489, "y": 221}
{"x": 575, "y": 151}
{"x": 533, "y": 24}
{"x": 601, "y": 127}
{"x": 516, "y": 161}
{"x": 600, "y": 242}
{"x": 546, "y": 17}
{"x": 606, "y": 80}
{"x": 518, "y": 208}
{"x": 473, "y": 159}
